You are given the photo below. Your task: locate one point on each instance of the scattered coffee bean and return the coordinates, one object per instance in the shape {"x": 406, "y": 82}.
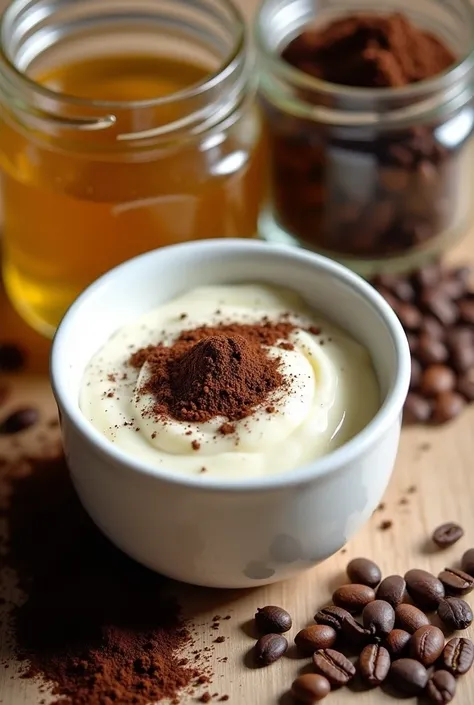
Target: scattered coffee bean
{"x": 392, "y": 589}
{"x": 424, "y": 589}
{"x": 332, "y": 616}
{"x": 426, "y": 644}
{"x": 410, "y": 618}
{"x": 318, "y": 636}
{"x": 355, "y": 635}
{"x": 455, "y": 613}
{"x": 364, "y": 572}
{"x": 431, "y": 351}
{"x": 417, "y": 409}
{"x": 448, "y": 406}
{"x": 397, "y": 643}
{"x": 353, "y": 597}
{"x": 456, "y": 582}
{"x": 12, "y": 358}
{"x": 19, "y": 420}
{"x": 334, "y": 666}
{"x": 441, "y": 688}
{"x": 269, "y": 648}
{"x": 437, "y": 379}
{"x": 272, "y": 620}
{"x": 467, "y": 561}
{"x": 447, "y": 534}
{"x": 310, "y": 688}
{"x": 409, "y": 676}
{"x": 374, "y": 664}
{"x": 378, "y": 618}
{"x": 458, "y": 656}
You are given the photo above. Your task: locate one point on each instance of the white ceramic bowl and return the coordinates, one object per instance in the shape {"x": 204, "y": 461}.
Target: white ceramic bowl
{"x": 202, "y": 529}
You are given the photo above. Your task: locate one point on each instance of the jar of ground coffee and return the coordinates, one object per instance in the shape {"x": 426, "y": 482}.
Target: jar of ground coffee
{"x": 369, "y": 111}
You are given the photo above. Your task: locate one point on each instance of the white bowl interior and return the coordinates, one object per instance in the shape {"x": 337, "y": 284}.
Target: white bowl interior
{"x": 151, "y": 279}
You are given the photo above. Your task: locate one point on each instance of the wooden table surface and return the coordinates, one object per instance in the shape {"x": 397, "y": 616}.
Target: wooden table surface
{"x": 438, "y": 462}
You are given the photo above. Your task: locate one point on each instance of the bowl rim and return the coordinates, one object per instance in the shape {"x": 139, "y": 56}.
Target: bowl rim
{"x": 349, "y": 452}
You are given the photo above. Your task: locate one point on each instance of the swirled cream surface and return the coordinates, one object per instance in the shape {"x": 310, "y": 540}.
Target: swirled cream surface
{"x": 328, "y": 394}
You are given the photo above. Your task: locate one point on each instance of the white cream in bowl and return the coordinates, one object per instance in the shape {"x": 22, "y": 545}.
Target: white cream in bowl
{"x": 329, "y": 390}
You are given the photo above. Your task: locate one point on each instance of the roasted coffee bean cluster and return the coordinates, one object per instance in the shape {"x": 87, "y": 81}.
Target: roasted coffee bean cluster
{"x": 436, "y": 308}
{"x": 393, "y": 638}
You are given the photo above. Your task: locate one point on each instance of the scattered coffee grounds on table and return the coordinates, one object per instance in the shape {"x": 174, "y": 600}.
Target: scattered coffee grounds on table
{"x": 99, "y": 626}
{"x": 363, "y": 197}
{"x": 435, "y": 305}
{"x": 209, "y": 372}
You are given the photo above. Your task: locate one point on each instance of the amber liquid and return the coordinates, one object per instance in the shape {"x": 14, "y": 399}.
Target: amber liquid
{"x": 69, "y": 217}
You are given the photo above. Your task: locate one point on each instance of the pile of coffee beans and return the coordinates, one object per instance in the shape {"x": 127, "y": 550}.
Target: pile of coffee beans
{"x": 379, "y": 630}
{"x": 435, "y": 305}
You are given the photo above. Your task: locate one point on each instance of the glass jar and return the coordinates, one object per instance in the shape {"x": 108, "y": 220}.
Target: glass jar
{"x": 378, "y": 178}
{"x": 126, "y": 125}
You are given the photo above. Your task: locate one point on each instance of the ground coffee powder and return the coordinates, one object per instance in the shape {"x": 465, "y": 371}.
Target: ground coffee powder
{"x": 102, "y": 628}
{"x": 208, "y": 372}
{"x": 370, "y": 51}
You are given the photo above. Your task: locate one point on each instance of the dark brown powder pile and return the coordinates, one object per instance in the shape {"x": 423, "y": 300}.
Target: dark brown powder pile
{"x": 101, "y": 627}
{"x": 209, "y": 372}
{"x": 369, "y": 51}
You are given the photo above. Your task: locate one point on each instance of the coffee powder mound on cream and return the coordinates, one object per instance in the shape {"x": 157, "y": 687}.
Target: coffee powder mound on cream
{"x": 221, "y": 375}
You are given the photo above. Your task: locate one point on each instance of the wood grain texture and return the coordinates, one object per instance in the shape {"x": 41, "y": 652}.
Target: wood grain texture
{"x": 438, "y": 462}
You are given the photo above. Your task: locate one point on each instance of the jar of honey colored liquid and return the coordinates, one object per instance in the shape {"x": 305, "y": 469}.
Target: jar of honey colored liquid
{"x": 125, "y": 125}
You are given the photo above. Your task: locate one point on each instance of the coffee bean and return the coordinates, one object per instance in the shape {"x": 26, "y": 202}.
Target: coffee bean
{"x": 410, "y": 618}
{"x": 392, "y": 589}
{"x": 456, "y": 582}
{"x": 430, "y": 350}
{"x": 447, "y": 534}
{"x": 310, "y": 688}
{"x": 269, "y": 648}
{"x": 455, "y": 613}
{"x": 428, "y": 276}
{"x": 432, "y": 327}
{"x": 332, "y": 616}
{"x": 379, "y": 618}
{"x": 466, "y": 311}
{"x": 461, "y": 345}
{"x": 409, "y": 676}
{"x": 441, "y": 688}
{"x": 458, "y": 656}
{"x": 448, "y": 406}
{"x": 410, "y": 317}
{"x": 353, "y": 597}
{"x": 426, "y": 644}
{"x": 364, "y": 572}
{"x": 467, "y": 561}
{"x": 12, "y": 358}
{"x": 424, "y": 589}
{"x": 397, "y": 643}
{"x": 318, "y": 636}
{"x": 465, "y": 385}
{"x": 334, "y": 666}
{"x": 437, "y": 379}
{"x": 374, "y": 664}
{"x": 440, "y": 306}
{"x": 355, "y": 635}
{"x": 417, "y": 409}
{"x": 19, "y": 420}
{"x": 272, "y": 620}
{"x": 416, "y": 369}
